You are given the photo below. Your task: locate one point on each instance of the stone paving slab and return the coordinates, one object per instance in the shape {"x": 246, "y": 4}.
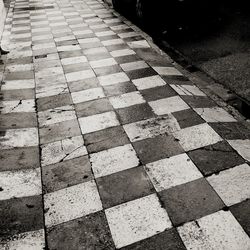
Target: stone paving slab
{"x": 104, "y": 144}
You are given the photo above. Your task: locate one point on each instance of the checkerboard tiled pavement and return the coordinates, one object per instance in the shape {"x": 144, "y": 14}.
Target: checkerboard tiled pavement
{"x": 104, "y": 144}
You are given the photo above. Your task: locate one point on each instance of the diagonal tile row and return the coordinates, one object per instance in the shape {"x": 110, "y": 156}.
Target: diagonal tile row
{"x": 105, "y": 144}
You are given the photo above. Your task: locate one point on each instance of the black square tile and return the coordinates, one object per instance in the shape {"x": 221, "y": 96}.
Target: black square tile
{"x": 105, "y": 38}
{"x": 89, "y": 232}
{"x": 190, "y": 201}
{"x": 231, "y": 130}
{"x": 18, "y": 120}
{"x": 199, "y": 101}
{"x": 159, "y": 147}
{"x": 98, "y": 56}
{"x": 68, "y": 54}
{"x": 76, "y": 67}
{"x": 20, "y": 215}
{"x": 93, "y": 107}
{"x": 19, "y": 158}
{"x": 152, "y": 57}
{"x": 140, "y": 73}
{"x": 117, "y": 47}
{"x": 135, "y": 113}
{"x": 105, "y": 139}
{"x": 91, "y": 45}
{"x": 127, "y": 59}
{"x": 215, "y": 158}
{"x": 157, "y": 93}
{"x": 241, "y": 213}
{"x": 59, "y": 131}
{"x": 124, "y": 186}
{"x": 65, "y": 174}
{"x": 108, "y": 70}
{"x": 51, "y": 102}
{"x": 83, "y": 84}
{"x": 119, "y": 89}
{"x": 20, "y": 94}
{"x": 167, "y": 240}
{"x": 187, "y": 118}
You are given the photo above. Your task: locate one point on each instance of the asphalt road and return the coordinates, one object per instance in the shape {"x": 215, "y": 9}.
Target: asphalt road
{"x": 218, "y": 45}
{"x": 221, "y": 50}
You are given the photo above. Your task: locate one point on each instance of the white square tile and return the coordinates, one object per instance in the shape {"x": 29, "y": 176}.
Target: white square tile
{"x": 122, "y": 52}
{"x": 80, "y": 75}
{"x": 17, "y": 106}
{"x": 215, "y": 231}
{"x": 34, "y": 240}
{"x": 87, "y": 95}
{"x": 126, "y": 100}
{"x": 94, "y": 51}
{"x": 152, "y": 127}
{"x": 242, "y": 147}
{"x": 105, "y": 33}
{"x": 89, "y": 40}
{"x": 134, "y": 65}
{"x": 167, "y": 71}
{"x": 119, "y": 27}
{"x": 127, "y": 34}
{"x": 71, "y": 203}
{"x": 62, "y": 150}
{"x": 19, "y": 67}
{"x": 113, "y": 160}
{"x": 215, "y": 114}
{"x": 73, "y": 60}
{"x": 52, "y": 116}
{"x": 82, "y": 32}
{"x": 18, "y": 84}
{"x": 98, "y": 122}
{"x": 23, "y": 137}
{"x": 172, "y": 171}
{"x": 113, "y": 79}
{"x": 112, "y": 42}
{"x": 102, "y": 63}
{"x": 168, "y": 105}
{"x": 232, "y": 185}
{"x": 197, "y": 136}
{"x": 20, "y": 183}
{"x": 148, "y": 82}
{"x": 112, "y": 20}
{"x": 137, "y": 220}
{"x": 142, "y": 44}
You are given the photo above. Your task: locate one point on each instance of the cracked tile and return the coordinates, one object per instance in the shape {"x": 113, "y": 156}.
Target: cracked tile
{"x": 17, "y": 106}
{"x": 215, "y": 114}
{"x": 62, "y": 150}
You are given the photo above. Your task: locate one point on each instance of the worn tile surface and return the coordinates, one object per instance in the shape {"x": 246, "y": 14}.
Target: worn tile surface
{"x": 105, "y": 144}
